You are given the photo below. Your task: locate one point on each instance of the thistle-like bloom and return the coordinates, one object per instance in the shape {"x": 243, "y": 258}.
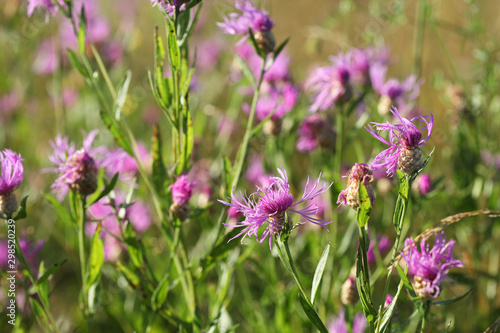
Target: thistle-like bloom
{"x": 329, "y": 85}
{"x": 405, "y": 140}
{"x": 428, "y": 267}
{"x": 77, "y": 168}
{"x": 339, "y": 325}
{"x": 271, "y": 205}
{"x": 11, "y": 177}
{"x": 250, "y": 18}
{"x": 360, "y": 172}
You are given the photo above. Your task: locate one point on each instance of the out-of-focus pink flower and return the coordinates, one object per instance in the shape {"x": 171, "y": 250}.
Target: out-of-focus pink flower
{"x": 47, "y": 59}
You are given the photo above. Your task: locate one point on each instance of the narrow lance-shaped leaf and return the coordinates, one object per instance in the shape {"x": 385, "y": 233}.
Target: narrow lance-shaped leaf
{"x": 77, "y": 64}
{"x": 40, "y": 315}
{"x": 21, "y": 212}
{"x": 107, "y": 188}
{"x": 116, "y": 132}
{"x": 133, "y": 245}
{"x": 96, "y": 260}
{"x": 318, "y": 274}
{"x": 160, "y": 293}
{"x": 173, "y": 48}
{"x": 365, "y": 206}
{"x": 386, "y": 318}
{"x": 121, "y": 96}
{"x": 312, "y": 315}
{"x": 51, "y": 270}
{"x": 159, "y": 172}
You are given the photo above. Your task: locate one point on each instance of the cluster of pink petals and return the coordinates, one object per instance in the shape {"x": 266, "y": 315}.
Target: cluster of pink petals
{"x": 249, "y": 18}
{"x": 12, "y": 171}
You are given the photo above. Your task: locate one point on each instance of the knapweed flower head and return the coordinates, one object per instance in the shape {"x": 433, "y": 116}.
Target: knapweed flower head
{"x": 405, "y": 140}
{"x": 349, "y": 292}
{"x": 315, "y": 130}
{"x": 77, "y": 168}
{"x": 270, "y": 206}
{"x": 359, "y": 173}
{"x": 12, "y": 173}
{"x": 339, "y": 325}
{"x": 250, "y": 18}
{"x": 182, "y": 190}
{"x": 366, "y": 64}
{"x": 329, "y": 85}
{"x": 428, "y": 267}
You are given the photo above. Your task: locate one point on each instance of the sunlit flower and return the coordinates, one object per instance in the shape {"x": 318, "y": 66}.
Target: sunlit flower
{"x": 182, "y": 191}
{"x": 405, "y": 140}
{"x": 428, "y": 267}
{"x": 359, "y": 173}
{"x": 271, "y": 205}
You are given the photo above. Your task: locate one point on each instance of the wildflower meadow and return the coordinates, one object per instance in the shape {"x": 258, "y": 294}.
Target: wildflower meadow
{"x": 249, "y": 166}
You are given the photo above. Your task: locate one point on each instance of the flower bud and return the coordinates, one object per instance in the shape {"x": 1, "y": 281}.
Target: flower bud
{"x": 349, "y": 292}
{"x": 265, "y": 41}
{"x": 182, "y": 190}
{"x": 360, "y": 172}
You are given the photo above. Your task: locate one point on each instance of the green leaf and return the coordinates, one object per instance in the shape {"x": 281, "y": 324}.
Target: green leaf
{"x": 133, "y": 246}
{"x": 81, "y": 37}
{"x": 132, "y": 278}
{"x": 96, "y": 260}
{"x": 312, "y": 315}
{"x": 255, "y": 44}
{"x": 318, "y": 274}
{"x": 43, "y": 288}
{"x": 189, "y": 137}
{"x": 77, "y": 64}
{"x": 21, "y": 212}
{"x": 60, "y": 209}
{"x": 402, "y": 201}
{"x": 40, "y": 315}
{"x": 386, "y": 318}
{"x": 107, "y": 188}
{"x": 117, "y": 133}
{"x": 363, "y": 287}
{"x": 173, "y": 48}
{"x": 453, "y": 300}
{"x": 160, "y": 293}
{"x": 365, "y": 206}
{"x": 121, "y": 96}
{"x": 159, "y": 172}
{"x": 247, "y": 72}
{"x": 284, "y": 261}
{"x": 50, "y": 271}
{"x": 92, "y": 297}
{"x": 260, "y": 126}
{"x": 280, "y": 48}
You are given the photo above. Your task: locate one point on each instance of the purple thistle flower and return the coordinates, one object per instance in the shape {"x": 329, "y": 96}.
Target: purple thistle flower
{"x": 271, "y": 204}
{"x": 428, "y": 267}
{"x": 250, "y": 18}
{"x": 77, "y": 168}
{"x": 424, "y": 184}
{"x": 338, "y": 324}
{"x": 405, "y": 140}
{"x": 367, "y": 63}
{"x": 329, "y": 85}
{"x": 119, "y": 161}
{"x": 44, "y": 5}
{"x": 12, "y": 171}
{"x": 360, "y": 172}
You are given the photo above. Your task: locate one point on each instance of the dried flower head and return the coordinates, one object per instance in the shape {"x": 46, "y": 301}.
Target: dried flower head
{"x": 12, "y": 173}
{"x": 428, "y": 267}
{"x": 271, "y": 205}
{"x": 349, "y": 292}
{"x": 360, "y": 172}
{"x": 405, "y": 140}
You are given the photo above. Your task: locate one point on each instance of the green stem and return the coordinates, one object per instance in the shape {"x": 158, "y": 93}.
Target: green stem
{"x": 364, "y": 251}
{"x": 295, "y": 274}
{"x": 398, "y": 219}
{"x": 427, "y": 307}
{"x": 81, "y": 251}
{"x": 419, "y": 37}
{"x": 242, "y": 152}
